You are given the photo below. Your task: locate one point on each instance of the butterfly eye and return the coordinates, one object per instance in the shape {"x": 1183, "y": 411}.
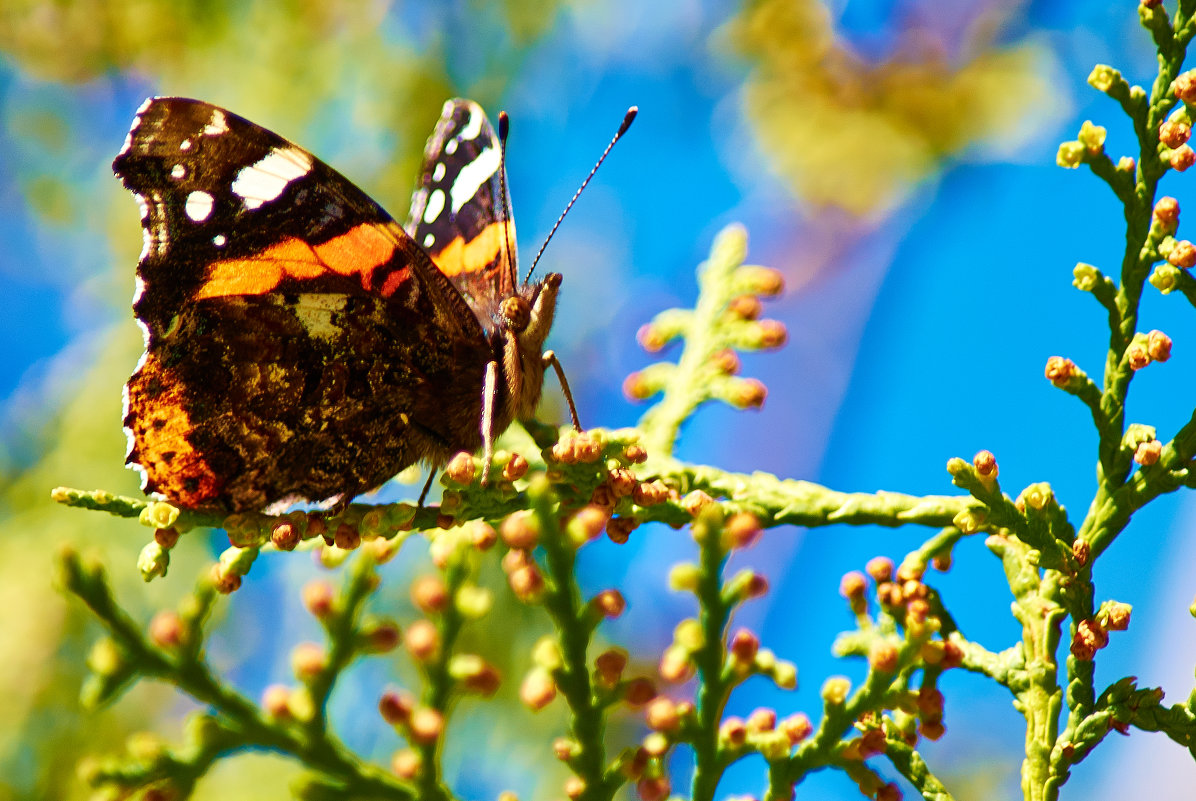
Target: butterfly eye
{"x": 517, "y": 312}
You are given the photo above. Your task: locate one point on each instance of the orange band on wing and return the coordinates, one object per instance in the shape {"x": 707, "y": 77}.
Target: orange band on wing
{"x": 474, "y": 256}
{"x": 358, "y": 251}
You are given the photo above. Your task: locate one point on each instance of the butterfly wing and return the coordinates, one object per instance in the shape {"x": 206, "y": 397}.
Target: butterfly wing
{"x": 298, "y": 342}
{"x": 458, "y": 212}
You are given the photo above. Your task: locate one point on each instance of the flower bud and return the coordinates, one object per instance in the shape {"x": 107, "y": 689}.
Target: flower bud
{"x": 676, "y": 665}
{"x": 520, "y": 529}
{"x": 423, "y": 640}
{"x": 1147, "y": 453}
{"x": 318, "y": 598}
{"x": 1060, "y": 370}
{"x": 761, "y": 720}
{"x": 308, "y": 660}
{"x": 835, "y": 690}
{"x": 744, "y": 646}
{"x": 395, "y": 706}
{"x": 1174, "y": 134}
{"x": 538, "y": 689}
{"x": 527, "y": 582}
{"x": 1182, "y": 254}
{"x": 639, "y": 691}
{"x": 166, "y": 629}
{"x": 609, "y": 666}
{"x": 654, "y": 788}
{"x": 406, "y": 763}
{"x": 619, "y": 528}
{"x": 1137, "y": 355}
{"x": 695, "y": 501}
{"x": 741, "y": 530}
{"x": 347, "y": 538}
{"x": 460, "y": 469}
{"x": 1181, "y": 158}
{"x": 380, "y": 637}
{"x": 610, "y": 603}
{"x": 1184, "y": 86}
{"x": 429, "y": 594}
{"x": 1092, "y": 137}
{"x": 1070, "y": 155}
{"x": 425, "y": 724}
{"x": 880, "y": 568}
{"x": 684, "y": 577}
{"x": 1103, "y": 78}
{"x": 276, "y": 701}
{"x": 1158, "y": 345}
{"x": 883, "y": 656}
{"x": 166, "y": 537}
{"x": 1115, "y": 615}
{"x": 796, "y": 727}
{"x": 515, "y": 468}
{"x": 661, "y": 715}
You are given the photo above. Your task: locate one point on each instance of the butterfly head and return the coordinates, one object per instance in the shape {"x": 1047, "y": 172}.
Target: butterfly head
{"x": 527, "y": 318}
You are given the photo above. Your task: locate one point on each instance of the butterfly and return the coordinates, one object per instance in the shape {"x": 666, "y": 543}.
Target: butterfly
{"x": 299, "y": 342}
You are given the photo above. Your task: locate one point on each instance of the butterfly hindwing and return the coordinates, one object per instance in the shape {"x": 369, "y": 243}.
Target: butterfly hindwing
{"x": 458, "y": 212}
{"x": 298, "y": 342}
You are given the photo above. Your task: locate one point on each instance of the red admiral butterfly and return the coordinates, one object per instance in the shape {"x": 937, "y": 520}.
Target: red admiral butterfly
{"x": 299, "y": 343}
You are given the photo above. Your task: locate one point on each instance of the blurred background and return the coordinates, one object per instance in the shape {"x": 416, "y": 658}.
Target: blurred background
{"x": 894, "y": 158}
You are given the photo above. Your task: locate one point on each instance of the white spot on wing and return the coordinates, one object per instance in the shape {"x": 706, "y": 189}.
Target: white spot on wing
{"x": 474, "y": 126}
{"x": 473, "y": 175}
{"x": 451, "y": 147}
{"x": 142, "y": 206}
{"x": 438, "y": 171}
{"x": 219, "y": 240}
{"x": 199, "y": 206}
{"x": 178, "y": 171}
{"x": 429, "y": 240}
{"x": 185, "y": 144}
{"x": 435, "y": 205}
{"x": 217, "y": 125}
{"x": 266, "y": 180}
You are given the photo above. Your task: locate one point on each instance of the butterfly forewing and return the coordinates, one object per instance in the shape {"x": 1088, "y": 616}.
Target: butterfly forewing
{"x": 299, "y": 343}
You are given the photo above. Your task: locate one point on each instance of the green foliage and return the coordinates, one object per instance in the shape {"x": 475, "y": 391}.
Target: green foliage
{"x": 555, "y": 492}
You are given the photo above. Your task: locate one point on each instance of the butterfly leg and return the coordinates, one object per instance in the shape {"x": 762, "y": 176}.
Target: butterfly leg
{"x": 549, "y": 358}
{"x": 423, "y": 495}
{"x": 489, "y": 393}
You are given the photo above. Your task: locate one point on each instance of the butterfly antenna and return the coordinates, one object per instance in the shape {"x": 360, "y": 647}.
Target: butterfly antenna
{"x": 504, "y": 128}
{"x": 627, "y": 120}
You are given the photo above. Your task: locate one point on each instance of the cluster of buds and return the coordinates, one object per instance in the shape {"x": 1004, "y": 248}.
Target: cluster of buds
{"x": 645, "y": 767}
{"x": 1093, "y": 634}
{"x": 1061, "y": 371}
{"x": 761, "y": 731}
{"x": 903, "y": 595}
{"x": 608, "y": 675}
{"x": 1142, "y": 441}
{"x": 1089, "y": 143}
{"x": 577, "y": 447}
{"x": 1146, "y": 348}
{"x": 736, "y": 325}
{"x": 419, "y": 724}
{"x": 226, "y": 574}
{"x": 539, "y": 685}
{"x": 1165, "y": 217}
{"x": 523, "y": 574}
